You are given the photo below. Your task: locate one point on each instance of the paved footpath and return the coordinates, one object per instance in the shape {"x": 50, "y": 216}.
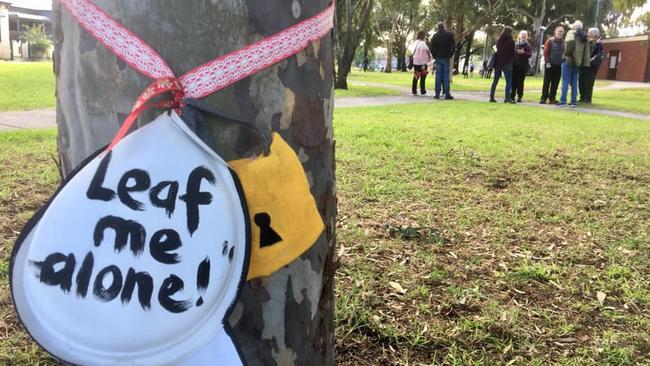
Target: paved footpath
{"x": 406, "y": 97}
{"x": 45, "y": 118}
{"x": 38, "y": 118}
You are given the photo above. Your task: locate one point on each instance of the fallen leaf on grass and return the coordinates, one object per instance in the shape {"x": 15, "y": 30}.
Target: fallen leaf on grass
{"x": 601, "y": 296}
{"x": 397, "y": 287}
{"x": 567, "y": 340}
{"x": 341, "y": 250}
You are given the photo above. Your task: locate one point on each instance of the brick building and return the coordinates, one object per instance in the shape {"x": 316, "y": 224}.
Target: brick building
{"x": 15, "y": 15}
{"x": 626, "y": 59}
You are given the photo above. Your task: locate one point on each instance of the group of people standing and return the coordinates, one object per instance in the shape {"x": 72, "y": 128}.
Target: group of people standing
{"x": 511, "y": 60}
{"x": 441, "y": 49}
{"x": 574, "y": 61}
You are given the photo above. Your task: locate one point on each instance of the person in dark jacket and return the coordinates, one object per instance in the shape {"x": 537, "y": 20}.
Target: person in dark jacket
{"x": 553, "y": 56}
{"x": 576, "y": 54}
{"x": 588, "y": 72}
{"x": 442, "y": 49}
{"x": 503, "y": 63}
{"x": 523, "y": 51}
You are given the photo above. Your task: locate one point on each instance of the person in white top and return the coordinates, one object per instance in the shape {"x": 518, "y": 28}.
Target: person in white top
{"x": 421, "y": 57}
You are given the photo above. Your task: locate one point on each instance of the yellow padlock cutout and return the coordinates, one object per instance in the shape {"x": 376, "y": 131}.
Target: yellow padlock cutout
{"x": 284, "y": 219}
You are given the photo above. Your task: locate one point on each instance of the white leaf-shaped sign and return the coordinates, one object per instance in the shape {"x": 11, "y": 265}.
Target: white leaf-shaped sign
{"x": 139, "y": 257}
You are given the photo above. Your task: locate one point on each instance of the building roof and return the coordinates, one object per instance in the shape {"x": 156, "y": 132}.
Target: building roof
{"x": 40, "y": 18}
{"x": 32, "y": 4}
{"x": 643, "y": 37}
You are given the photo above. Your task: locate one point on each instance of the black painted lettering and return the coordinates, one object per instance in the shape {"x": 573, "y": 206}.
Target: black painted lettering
{"x": 125, "y": 230}
{"x": 142, "y": 183}
{"x": 193, "y": 196}
{"x": 62, "y": 277}
{"x": 95, "y": 190}
{"x": 107, "y": 294}
{"x": 145, "y": 288}
{"x": 162, "y": 242}
{"x": 171, "y": 285}
{"x": 83, "y": 277}
{"x": 169, "y": 202}
{"x": 202, "y": 279}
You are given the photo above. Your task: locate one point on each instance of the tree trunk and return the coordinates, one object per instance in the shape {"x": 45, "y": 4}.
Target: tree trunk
{"x": 352, "y": 40}
{"x": 461, "y": 38}
{"x": 389, "y": 51}
{"x": 283, "y": 319}
{"x": 468, "y": 51}
{"x": 457, "y": 53}
{"x": 401, "y": 53}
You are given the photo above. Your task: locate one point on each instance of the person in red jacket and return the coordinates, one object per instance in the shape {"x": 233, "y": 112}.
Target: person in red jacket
{"x": 553, "y": 57}
{"x": 523, "y": 51}
{"x": 503, "y": 63}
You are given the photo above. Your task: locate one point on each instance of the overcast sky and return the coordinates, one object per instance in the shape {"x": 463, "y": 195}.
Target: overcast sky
{"x": 47, "y": 5}
{"x": 33, "y": 4}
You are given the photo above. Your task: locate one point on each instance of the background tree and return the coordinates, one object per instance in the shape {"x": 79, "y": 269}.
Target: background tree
{"x": 531, "y": 15}
{"x": 644, "y": 21}
{"x": 352, "y": 17}
{"x": 39, "y": 42}
{"x": 465, "y": 18}
{"x": 370, "y": 36}
{"x": 617, "y": 14}
{"x": 283, "y": 319}
{"x": 395, "y": 20}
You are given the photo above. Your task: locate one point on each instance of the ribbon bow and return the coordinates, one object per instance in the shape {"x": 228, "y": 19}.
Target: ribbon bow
{"x": 203, "y": 80}
{"x": 158, "y": 87}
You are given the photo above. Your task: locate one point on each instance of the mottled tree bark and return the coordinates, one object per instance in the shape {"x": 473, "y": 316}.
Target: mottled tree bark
{"x": 283, "y": 319}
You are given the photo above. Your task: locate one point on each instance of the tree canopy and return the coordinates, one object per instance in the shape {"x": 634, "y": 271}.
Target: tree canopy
{"x": 392, "y": 24}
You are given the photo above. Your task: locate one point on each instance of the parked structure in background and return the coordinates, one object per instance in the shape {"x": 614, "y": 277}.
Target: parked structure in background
{"x": 15, "y": 18}
{"x": 626, "y": 59}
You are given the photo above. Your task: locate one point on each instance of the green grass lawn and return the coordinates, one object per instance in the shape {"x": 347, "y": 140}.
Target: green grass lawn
{"x": 484, "y": 237}
{"x": 27, "y": 178}
{"x": 625, "y": 100}
{"x": 459, "y": 83}
{"x": 26, "y": 85}
{"x": 364, "y": 91}
{"x": 469, "y": 234}
{"x": 629, "y": 100}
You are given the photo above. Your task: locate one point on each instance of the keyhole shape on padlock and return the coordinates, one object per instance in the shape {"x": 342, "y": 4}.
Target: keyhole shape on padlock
{"x": 268, "y": 236}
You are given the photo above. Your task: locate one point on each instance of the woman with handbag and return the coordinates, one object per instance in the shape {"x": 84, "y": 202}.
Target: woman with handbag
{"x": 421, "y": 57}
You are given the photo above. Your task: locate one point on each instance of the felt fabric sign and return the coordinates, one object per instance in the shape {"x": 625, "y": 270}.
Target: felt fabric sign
{"x": 285, "y": 220}
{"x": 139, "y": 256}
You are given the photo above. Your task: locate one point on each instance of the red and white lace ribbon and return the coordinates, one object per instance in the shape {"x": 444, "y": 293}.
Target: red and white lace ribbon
{"x": 213, "y": 75}
{"x": 126, "y": 45}
{"x": 234, "y": 66}
{"x": 202, "y": 80}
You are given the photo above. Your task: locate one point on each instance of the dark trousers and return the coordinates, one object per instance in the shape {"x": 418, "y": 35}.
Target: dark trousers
{"x": 518, "y": 77}
{"x": 587, "y": 79}
{"x": 419, "y": 72}
{"x": 442, "y": 76}
{"x": 551, "y": 82}
{"x": 507, "y": 73}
